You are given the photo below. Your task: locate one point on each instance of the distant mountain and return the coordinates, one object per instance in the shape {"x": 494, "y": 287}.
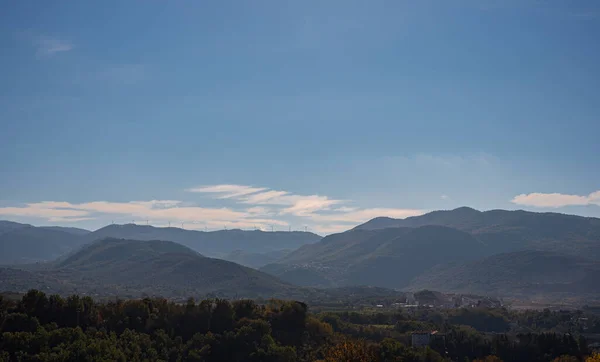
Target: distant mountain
{"x": 384, "y": 258}
{"x": 70, "y": 230}
{"x": 133, "y": 268}
{"x": 256, "y": 260}
{"x": 213, "y": 243}
{"x": 521, "y": 273}
{"x": 6, "y": 226}
{"x": 462, "y": 250}
{"x": 22, "y": 243}
{"x": 115, "y": 252}
{"x": 506, "y": 231}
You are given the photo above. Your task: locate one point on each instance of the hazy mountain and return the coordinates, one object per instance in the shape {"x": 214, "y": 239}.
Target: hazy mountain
{"x": 384, "y": 258}
{"x": 517, "y": 273}
{"x": 115, "y": 252}
{"x": 6, "y": 226}
{"x": 70, "y": 230}
{"x": 133, "y": 268}
{"x": 461, "y": 250}
{"x": 22, "y": 243}
{"x": 213, "y": 243}
{"x": 505, "y": 231}
{"x": 256, "y": 260}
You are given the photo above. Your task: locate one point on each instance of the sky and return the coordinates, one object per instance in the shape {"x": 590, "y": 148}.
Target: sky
{"x": 280, "y": 115}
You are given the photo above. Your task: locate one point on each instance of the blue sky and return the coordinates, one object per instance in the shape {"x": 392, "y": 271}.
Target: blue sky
{"x": 307, "y": 113}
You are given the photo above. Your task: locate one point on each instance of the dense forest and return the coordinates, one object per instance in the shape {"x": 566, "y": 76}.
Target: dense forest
{"x": 39, "y": 327}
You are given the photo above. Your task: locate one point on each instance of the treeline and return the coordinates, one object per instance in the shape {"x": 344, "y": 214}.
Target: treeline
{"x": 50, "y": 328}
{"x": 464, "y": 338}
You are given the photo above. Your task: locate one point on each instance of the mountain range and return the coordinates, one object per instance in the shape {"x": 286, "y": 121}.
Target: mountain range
{"x": 256, "y": 260}
{"x": 123, "y": 267}
{"x": 506, "y": 231}
{"x": 521, "y": 273}
{"x": 213, "y": 243}
{"x": 386, "y": 258}
{"x": 505, "y": 253}
{"x": 23, "y": 243}
{"x": 451, "y": 251}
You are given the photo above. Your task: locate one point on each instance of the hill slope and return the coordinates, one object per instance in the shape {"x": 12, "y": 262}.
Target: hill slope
{"x": 23, "y": 243}
{"x": 385, "y": 258}
{"x": 506, "y": 231}
{"x": 518, "y": 273}
{"x": 214, "y": 243}
{"x": 256, "y": 260}
{"x": 132, "y": 268}
{"x": 6, "y": 226}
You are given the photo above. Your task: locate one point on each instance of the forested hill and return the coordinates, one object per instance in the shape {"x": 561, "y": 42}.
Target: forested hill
{"x": 520, "y": 274}
{"x": 213, "y": 243}
{"x": 123, "y": 268}
{"x": 506, "y": 231}
{"x": 386, "y": 258}
{"x": 463, "y": 250}
{"x": 23, "y": 243}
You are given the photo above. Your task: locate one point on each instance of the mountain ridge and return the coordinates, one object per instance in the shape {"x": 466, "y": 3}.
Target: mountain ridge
{"x": 24, "y": 243}
{"x": 390, "y": 253}
{"x": 124, "y": 267}
{"x": 518, "y": 273}
{"x": 383, "y": 258}
{"x": 506, "y": 231}
{"x": 212, "y": 243}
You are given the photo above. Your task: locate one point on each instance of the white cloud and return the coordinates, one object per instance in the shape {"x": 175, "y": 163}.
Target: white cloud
{"x": 299, "y": 205}
{"x": 227, "y": 191}
{"x": 69, "y": 219}
{"x": 267, "y": 198}
{"x": 329, "y": 229}
{"x": 159, "y": 211}
{"x": 259, "y": 210}
{"x": 306, "y": 205}
{"x": 47, "y": 46}
{"x": 363, "y": 215}
{"x": 315, "y": 208}
{"x": 445, "y": 197}
{"x": 42, "y": 210}
{"x": 554, "y": 200}
{"x": 345, "y": 209}
{"x": 253, "y": 207}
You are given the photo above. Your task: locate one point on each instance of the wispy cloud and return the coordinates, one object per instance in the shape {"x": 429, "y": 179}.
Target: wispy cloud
{"x": 48, "y": 46}
{"x": 227, "y": 191}
{"x": 247, "y": 207}
{"x": 325, "y": 214}
{"x": 299, "y": 205}
{"x": 50, "y": 211}
{"x": 157, "y": 211}
{"x": 554, "y": 200}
